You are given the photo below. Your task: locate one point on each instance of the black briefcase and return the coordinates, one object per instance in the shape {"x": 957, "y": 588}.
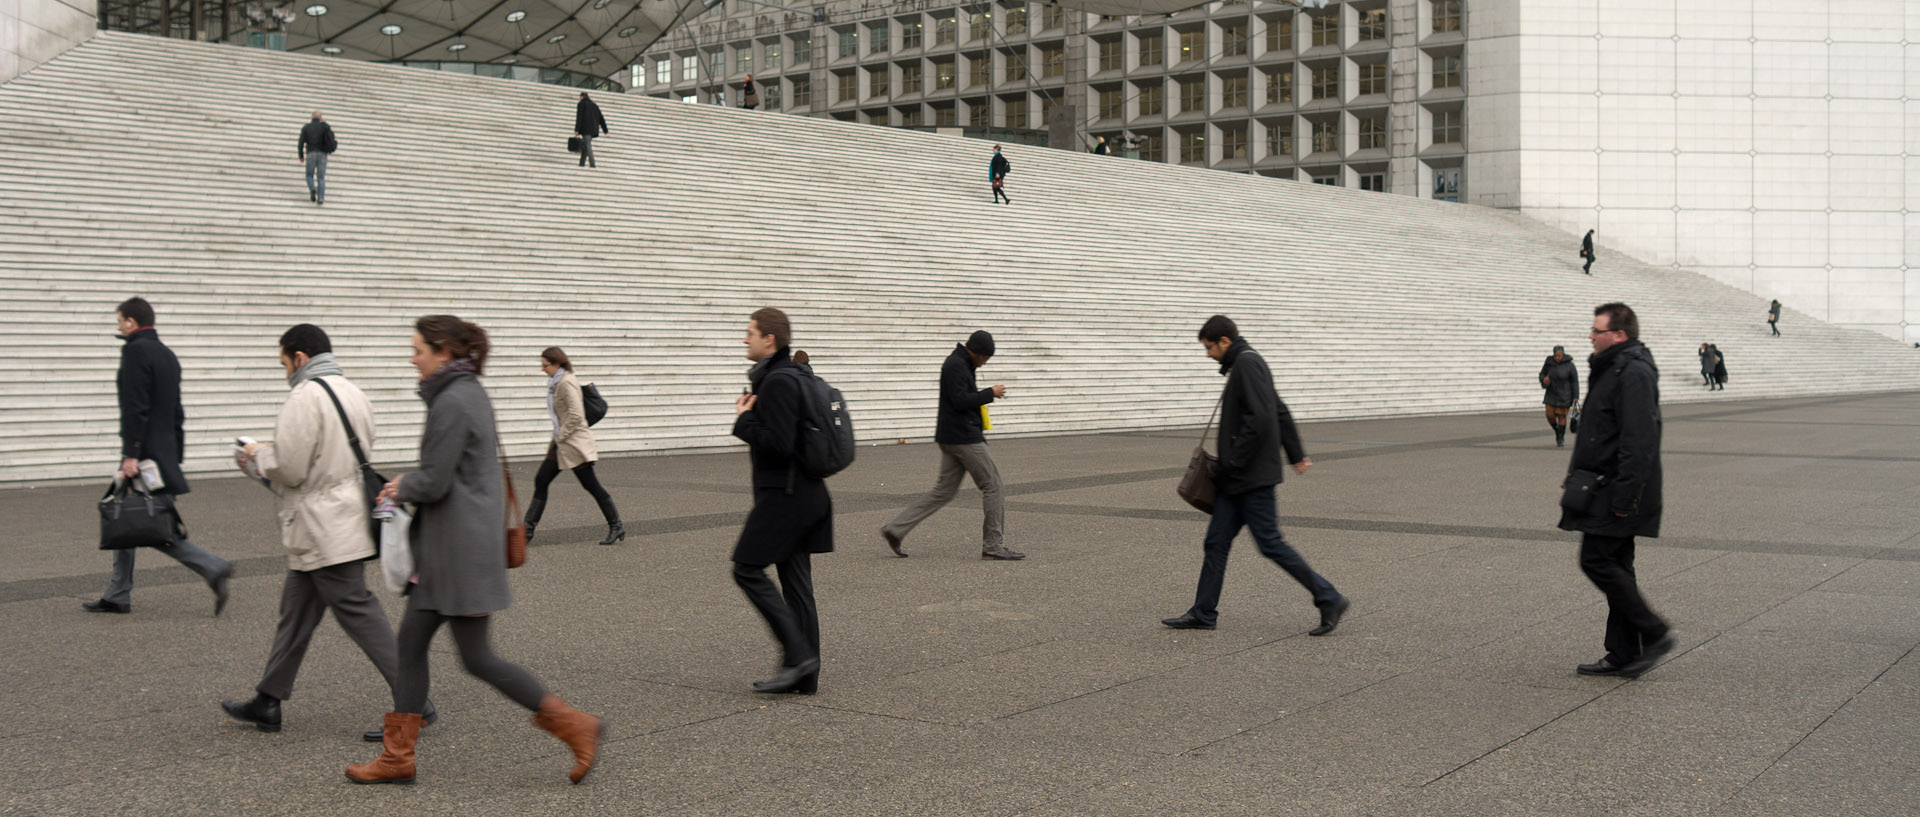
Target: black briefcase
{"x": 131, "y": 517}
{"x": 573, "y": 144}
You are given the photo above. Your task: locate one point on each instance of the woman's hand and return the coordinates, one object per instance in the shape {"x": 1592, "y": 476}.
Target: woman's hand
{"x": 387, "y": 493}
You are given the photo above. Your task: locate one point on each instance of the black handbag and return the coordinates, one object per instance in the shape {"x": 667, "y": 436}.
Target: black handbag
{"x": 370, "y": 479}
{"x": 592, "y": 404}
{"x": 573, "y": 144}
{"x": 132, "y": 517}
{"x": 1581, "y": 491}
{"x": 1197, "y": 485}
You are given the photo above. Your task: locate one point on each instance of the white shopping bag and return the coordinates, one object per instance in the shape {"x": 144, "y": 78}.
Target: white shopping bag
{"x": 396, "y": 555}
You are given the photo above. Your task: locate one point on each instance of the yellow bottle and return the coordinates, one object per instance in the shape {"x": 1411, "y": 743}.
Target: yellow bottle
{"x": 986, "y": 421}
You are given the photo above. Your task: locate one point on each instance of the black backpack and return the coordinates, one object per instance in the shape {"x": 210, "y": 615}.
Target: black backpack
{"x": 826, "y": 443}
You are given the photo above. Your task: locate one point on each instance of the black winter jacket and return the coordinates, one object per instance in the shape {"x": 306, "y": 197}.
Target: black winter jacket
{"x": 317, "y": 136}
{"x": 1563, "y": 382}
{"x": 1620, "y": 439}
{"x": 153, "y": 422}
{"x": 999, "y": 167}
{"x": 772, "y": 429}
{"x": 1254, "y": 426}
{"x": 587, "y": 120}
{"x": 958, "y": 422}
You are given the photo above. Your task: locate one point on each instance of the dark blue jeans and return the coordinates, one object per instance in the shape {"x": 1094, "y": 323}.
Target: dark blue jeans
{"x": 1255, "y": 511}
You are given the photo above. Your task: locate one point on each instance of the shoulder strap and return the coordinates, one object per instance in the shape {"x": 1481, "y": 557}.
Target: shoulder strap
{"x": 353, "y": 439}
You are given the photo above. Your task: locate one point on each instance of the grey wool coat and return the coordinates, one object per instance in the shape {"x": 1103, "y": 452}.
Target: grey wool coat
{"x": 459, "y": 534}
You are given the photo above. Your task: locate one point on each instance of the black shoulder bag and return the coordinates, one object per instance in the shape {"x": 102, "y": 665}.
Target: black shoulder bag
{"x": 370, "y": 479}
{"x": 1197, "y": 485}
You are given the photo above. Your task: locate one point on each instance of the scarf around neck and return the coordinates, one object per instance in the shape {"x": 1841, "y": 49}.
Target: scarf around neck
{"x": 319, "y": 365}
{"x": 446, "y": 370}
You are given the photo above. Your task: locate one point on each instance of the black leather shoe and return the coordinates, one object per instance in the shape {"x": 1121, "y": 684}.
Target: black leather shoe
{"x": 809, "y": 685}
{"x": 1604, "y": 666}
{"x": 893, "y": 542}
{"x": 1649, "y": 656}
{"x": 616, "y": 533}
{"x": 220, "y": 585}
{"x": 380, "y": 735}
{"x": 1330, "y": 617}
{"x": 1002, "y": 554}
{"x": 789, "y": 677}
{"x": 263, "y": 712}
{"x": 104, "y": 606}
{"x": 1186, "y": 622}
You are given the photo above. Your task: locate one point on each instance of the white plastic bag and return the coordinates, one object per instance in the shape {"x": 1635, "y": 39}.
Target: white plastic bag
{"x": 396, "y": 555}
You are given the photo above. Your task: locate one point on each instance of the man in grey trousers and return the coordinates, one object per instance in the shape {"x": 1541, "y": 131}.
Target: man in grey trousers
{"x": 316, "y": 144}
{"x": 959, "y": 430}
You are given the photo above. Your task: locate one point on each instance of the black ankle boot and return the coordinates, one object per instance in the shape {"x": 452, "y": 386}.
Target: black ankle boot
{"x": 535, "y": 509}
{"x": 263, "y": 712}
{"x": 615, "y": 533}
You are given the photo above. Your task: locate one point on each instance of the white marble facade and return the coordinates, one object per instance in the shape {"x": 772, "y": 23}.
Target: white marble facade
{"x": 1770, "y": 144}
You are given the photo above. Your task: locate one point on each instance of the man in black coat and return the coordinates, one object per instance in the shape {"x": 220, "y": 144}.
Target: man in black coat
{"x": 316, "y": 146}
{"x": 153, "y": 427}
{"x": 792, "y": 516}
{"x": 960, "y": 433}
{"x": 587, "y": 124}
{"x": 1619, "y": 441}
{"x": 1254, "y": 428}
{"x": 1561, "y": 378}
{"x": 997, "y": 170}
{"x": 1586, "y": 251}
{"x": 1773, "y": 318}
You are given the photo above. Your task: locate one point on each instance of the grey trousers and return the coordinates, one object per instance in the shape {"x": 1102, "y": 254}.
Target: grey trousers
{"x": 317, "y": 174}
{"x": 305, "y": 599}
{"x": 956, "y": 460}
{"x": 586, "y": 151}
{"x": 120, "y": 587}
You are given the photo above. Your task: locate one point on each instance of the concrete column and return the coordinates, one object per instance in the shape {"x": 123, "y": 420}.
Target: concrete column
{"x": 34, "y": 31}
{"x": 1403, "y": 92}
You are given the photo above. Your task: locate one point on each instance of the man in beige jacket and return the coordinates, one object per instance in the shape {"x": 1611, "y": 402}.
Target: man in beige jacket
{"x": 325, "y": 523}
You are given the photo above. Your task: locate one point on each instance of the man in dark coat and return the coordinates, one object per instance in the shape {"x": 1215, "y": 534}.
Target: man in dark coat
{"x": 587, "y": 124}
{"x": 792, "y": 516}
{"x": 997, "y": 175}
{"x": 1773, "y": 318}
{"x": 1561, "y": 378}
{"x": 1619, "y": 441}
{"x": 960, "y": 433}
{"x": 316, "y": 146}
{"x": 1254, "y": 428}
{"x": 153, "y": 427}
{"x": 1706, "y": 365}
{"x": 1586, "y": 251}
{"x": 1719, "y": 367}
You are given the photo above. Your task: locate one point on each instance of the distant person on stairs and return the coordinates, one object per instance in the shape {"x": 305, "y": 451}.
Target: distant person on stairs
{"x": 749, "y": 95}
{"x": 1719, "y": 367}
{"x": 316, "y": 144}
{"x": 1100, "y": 146}
{"x": 1706, "y": 365}
{"x": 959, "y": 430}
{"x": 1586, "y": 251}
{"x": 587, "y": 124}
{"x": 572, "y": 447}
{"x": 1773, "y": 318}
{"x": 1561, "y": 378}
{"x": 997, "y": 174}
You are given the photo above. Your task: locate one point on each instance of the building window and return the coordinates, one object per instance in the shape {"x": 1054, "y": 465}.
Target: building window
{"x": 1446, "y": 15}
{"x": 849, "y": 43}
{"x": 911, "y": 34}
{"x": 1280, "y": 85}
{"x": 716, "y": 62}
{"x": 1233, "y": 39}
{"x": 663, "y": 71}
{"x": 1446, "y": 127}
{"x": 1326, "y": 29}
{"x": 1280, "y": 139}
{"x": 1326, "y": 136}
{"x": 1154, "y": 150}
{"x": 1017, "y": 113}
{"x": 943, "y": 75}
{"x": 770, "y": 93}
{"x": 1113, "y": 104}
{"x": 1053, "y": 62}
{"x": 1446, "y": 72}
{"x": 1046, "y": 110}
{"x": 979, "y": 26}
{"x": 980, "y": 114}
{"x": 1110, "y": 57}
{"x": 1373, "y": 24}
{"x": 1016, "y": 69}
{"x": 944, "y": 116}
{"x": 637, "y": 75}
{"x": 1233, "y": 91}
{"x": 1373, "y": 133}
{"x": 849, "y": 86}
{"x": 690, "y": 99}
{"x": 1233, "y": 142}
{"x": 1193, "y": 95}
{"x": 1193, "y": 147}
{"x": 1153, "y": 99}
{"x": 689, "y": 67}
{"x": 802, "y": 49}
{"x": 878, "y": 39}
{"x": 1153, "y": 50}
{"x": 910, "y": 117}
{"x": 1326, "y": 82}
{"x": 1373, "y": 78}
{"x": 879, "y": 81}
{"x": 945, "y": 29}
{"x": 1330, "y": 181}
{"x": 773, "y": 56}
{"x": 910, "y": 78}
{"x": 1280, "y": 34}
{"x": 882, "y": 117}
{"x": 1052, "y": 16}
{"x": 979, "y": 70}
{"x": 802, "y": 92}
{"x": 1193, "y": 46}
{"x": 1017, "y": 20}
{"x": 1376, "y": 182}
{"x": 743, "y": 60}
{"x": 1446, "y": 184}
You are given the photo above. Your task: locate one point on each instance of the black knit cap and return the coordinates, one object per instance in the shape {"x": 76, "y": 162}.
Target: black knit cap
{"x": 980, "y": 343}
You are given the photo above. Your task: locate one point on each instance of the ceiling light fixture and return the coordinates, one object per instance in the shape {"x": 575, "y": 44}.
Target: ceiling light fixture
{"x": 390, "y": 30}
{"x": 316, "y": 10}
{"x": 556, "y": 38}
{"x": 516, "y": 16}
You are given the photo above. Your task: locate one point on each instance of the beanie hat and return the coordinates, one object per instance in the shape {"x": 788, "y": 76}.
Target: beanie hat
{"x": 980, "y": 343}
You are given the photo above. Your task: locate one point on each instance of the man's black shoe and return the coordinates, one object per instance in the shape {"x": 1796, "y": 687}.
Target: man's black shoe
{"x": 104, "y": 606}
{"x": 312, "y": 196}
{"x": 1186, "y": 622}
{"x": 789, "y": 677}
{"x": 1604, "y": 666}
{"x": 220, "y": 587}
{"x": 893, "y": 542}
{"x": 263, "y": 712}
{"x": 379, "y": 735}
{"x": 1330, "y": 617}
{"x": 1649, "y": 656}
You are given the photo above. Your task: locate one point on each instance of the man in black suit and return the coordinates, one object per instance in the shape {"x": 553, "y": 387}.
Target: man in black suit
{"x": 1619, "y": 441}
{"x": 1254, "y": 427}
{"x": 588, "y": 123}
{"x": 1586, "y": 251}
{"x": 792, "y": 516}
{"x": 153, "y": 427}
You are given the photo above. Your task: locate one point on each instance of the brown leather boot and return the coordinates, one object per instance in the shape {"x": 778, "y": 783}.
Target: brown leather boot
{"x": 579, "y": 730}
{"x": 395, "y": 763}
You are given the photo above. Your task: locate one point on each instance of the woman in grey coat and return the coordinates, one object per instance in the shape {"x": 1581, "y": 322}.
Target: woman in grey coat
{"x": 460, "y": 554}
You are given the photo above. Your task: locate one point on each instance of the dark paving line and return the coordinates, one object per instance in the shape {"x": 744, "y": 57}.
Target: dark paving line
{"x": 1667, "y": 452}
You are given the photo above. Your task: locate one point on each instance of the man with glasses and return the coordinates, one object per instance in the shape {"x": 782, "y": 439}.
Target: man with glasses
{"x": 1617, "y": 453}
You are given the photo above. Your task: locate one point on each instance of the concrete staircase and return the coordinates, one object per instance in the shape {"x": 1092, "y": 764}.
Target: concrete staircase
{"x": 165, "y": 168}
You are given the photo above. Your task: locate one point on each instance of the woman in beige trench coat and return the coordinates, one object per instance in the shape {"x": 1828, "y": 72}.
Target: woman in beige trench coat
{"x": 572, "y": 447}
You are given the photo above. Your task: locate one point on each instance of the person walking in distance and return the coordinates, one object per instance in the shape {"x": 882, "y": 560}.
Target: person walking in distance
{"x": 316, "y": 145}
{"x": 1586, "y": 251}
{"x": 749, "y": 94}
{"x": 997, "y": 174}
{"x": 572, "y": 448}
{"x": 960, "y": 433}
{"x": 1706, "y": 366}
{"x": 153, "y": 428}
{"x": 1561, "y": 378}
{"x": 460, "y": 555}
{"x": 1773, "y": 317}
{"x": 1255, "y": 428}
{"x": 587, "y": 124}
{"x": 1100, "y": 146}
{"x": 792, "y": 516}
{"x": 314, "y": 470}
{"x": 1719, "y": 367}
{"x": 1618, "y": 452}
